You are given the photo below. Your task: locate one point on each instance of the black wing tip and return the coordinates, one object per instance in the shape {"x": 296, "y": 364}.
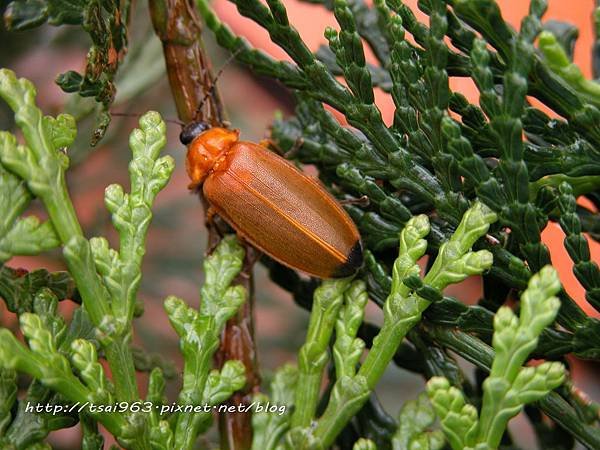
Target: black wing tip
{"x": 353, "y": 262}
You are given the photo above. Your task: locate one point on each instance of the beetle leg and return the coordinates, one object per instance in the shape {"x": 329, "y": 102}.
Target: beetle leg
{"x": 292, "y": 151}
{"x": 210, "y": 216}
{"x": 218, "y": 228}
{"x": 242, "y": 239}
{"x": 270, "y": 143}
{"x": 252, "y": 254}
{"x": 213, "y": 237}
{"x": 214, "y": 221}
{"x": 361, "y": 201}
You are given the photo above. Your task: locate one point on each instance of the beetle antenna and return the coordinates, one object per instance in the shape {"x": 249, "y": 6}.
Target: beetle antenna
{"x": 124, "y": 114}
{"x": 213, "y": 83}
{"x": 363, "y": 201}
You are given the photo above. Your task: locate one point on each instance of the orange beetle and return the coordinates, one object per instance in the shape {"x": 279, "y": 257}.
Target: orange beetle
{"x": 271, "y": 204}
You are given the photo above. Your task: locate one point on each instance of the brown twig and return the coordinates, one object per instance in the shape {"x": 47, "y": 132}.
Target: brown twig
{"x": 190, "y": 76}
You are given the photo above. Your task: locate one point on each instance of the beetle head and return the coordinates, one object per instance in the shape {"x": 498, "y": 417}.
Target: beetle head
{"x": 191, "y": 130}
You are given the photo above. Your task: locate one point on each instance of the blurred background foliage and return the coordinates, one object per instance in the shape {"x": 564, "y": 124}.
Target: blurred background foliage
{"x": 177, "y": 235}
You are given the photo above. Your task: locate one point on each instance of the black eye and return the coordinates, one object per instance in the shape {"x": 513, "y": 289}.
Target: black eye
{"x": 191, "y": 130}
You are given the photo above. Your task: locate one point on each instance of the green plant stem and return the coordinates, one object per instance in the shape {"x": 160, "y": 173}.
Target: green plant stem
{"x": 514, "y": 340}
{"x": 313, "y": 355}
{"x": 186, "y": 429}
{"x": 117, "y": 352}
{"x": 380, "y": 355}
{"x": 482, "y": 355}
{"x": 120, "y": 360}
{"x": 61, "y": 211}
{"x": 307, "y": 396}
{"x": 117, "y": 349}
{"x": 80, "y": 262}
{"x": 403, "y": 308}
{"x": 386, "y": 344}
{"x": 585, "y": 270}
{"x": 581, "y": 185}
{"x": 199, "y": 333}
{"x": 559, "y": 63}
